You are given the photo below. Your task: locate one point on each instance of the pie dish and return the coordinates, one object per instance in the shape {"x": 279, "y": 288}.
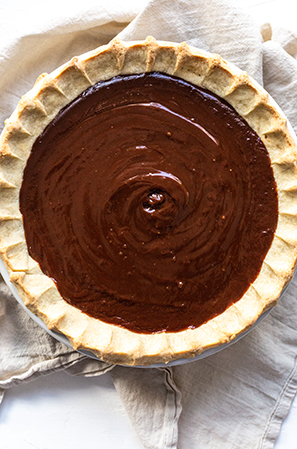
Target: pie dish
{"x": 147, "y": 339}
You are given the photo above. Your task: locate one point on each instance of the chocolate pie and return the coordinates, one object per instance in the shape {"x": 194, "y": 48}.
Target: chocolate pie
{"x": 148, "y": 201}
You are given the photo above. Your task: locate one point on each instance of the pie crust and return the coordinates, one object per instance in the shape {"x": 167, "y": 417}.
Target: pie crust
{"x": 40, "y": 105}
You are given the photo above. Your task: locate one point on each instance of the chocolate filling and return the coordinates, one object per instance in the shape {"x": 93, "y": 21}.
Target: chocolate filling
{"x": 150, "y": 202}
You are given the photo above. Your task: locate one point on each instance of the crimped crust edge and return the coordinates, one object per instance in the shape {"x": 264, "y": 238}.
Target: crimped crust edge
{"x": 40, "y": 105}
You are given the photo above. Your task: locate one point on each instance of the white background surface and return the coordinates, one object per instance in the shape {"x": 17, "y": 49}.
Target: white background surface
{"x": 58, "y": 411}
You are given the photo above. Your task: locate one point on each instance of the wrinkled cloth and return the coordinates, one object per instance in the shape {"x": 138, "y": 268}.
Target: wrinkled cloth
{"x": 239, "y": 397}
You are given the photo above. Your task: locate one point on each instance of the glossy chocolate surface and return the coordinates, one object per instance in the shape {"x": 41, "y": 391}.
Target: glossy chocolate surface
{"x": 150, "y": 202}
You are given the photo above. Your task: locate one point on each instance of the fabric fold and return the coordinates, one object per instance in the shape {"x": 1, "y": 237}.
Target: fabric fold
{"x": 281, "y": 409}
{"x": 153, "y": 403}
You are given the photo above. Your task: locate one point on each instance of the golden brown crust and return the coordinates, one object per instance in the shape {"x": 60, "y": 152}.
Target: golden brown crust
{"x": 38, "y": 107}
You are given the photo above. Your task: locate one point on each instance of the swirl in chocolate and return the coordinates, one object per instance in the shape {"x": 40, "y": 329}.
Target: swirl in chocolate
{"x": 150, "y": 202}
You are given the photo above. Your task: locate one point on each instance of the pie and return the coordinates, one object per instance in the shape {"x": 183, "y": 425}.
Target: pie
{"x": 148, "y": 201}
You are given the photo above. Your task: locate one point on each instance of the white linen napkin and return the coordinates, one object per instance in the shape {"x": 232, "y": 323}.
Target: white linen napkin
{"x": 238, "y": 398}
